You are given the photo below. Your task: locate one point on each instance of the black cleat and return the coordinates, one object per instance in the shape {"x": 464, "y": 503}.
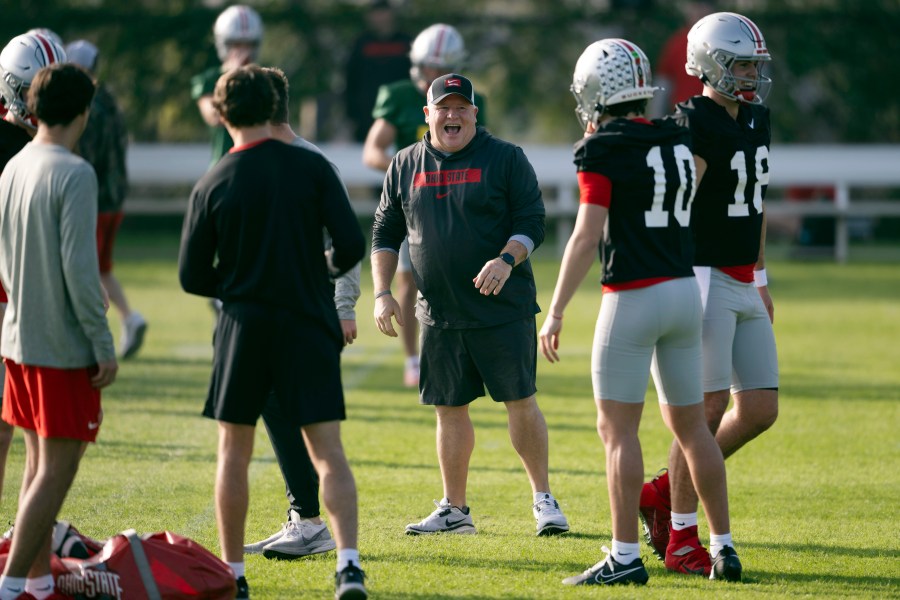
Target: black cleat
{"x": 243, "y": 590}
{"x": 610, "y": 572}
{"x": 349, "y": 584}
{"x": 726, "y": 565}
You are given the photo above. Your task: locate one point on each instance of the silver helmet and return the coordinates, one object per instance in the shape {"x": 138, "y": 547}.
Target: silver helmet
{"x": 20, "y": 61}
{"x": 611, "y": 71}
{"x": 719, "y": 40}
{"x": 238, "y": 23}
{"x": 439, "y": 46}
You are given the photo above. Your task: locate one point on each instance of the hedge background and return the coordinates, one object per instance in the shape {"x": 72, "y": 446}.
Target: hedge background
{"x": 835, "y": 62}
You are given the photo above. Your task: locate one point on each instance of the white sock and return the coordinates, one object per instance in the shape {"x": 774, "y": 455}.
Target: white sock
{"x": 11, "y": 587}
{"x": 346, "y": 557}
{"x": 238, "y": 569}
{"x": 412, "y": 362}
{"x": 683, "y": 520}
{"x": 40, "y": 587}
{"x": 717, "y": 542}
{"x": 541, "y": 495}
{"x": 624, "y": 553}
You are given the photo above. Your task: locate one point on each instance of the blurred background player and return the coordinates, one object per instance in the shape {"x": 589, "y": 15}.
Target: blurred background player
{"x": 20, "y": 61}
{"x": 380, "y": 55}
{"x": 238, "y": 34}
{"x": 674, "y": 82}
{"x": 730, "y": 134}
{"x": 103, "y": 144}
{"x": 399, "y": 122}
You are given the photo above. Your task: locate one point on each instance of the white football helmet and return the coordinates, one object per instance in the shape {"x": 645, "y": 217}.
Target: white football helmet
{"x": 20, "y": 61}
{"x": 439, "y": 46}
{"x": 611, "y": 71}
{"x": 47, "y": 33}
{"x": 719, "y": 40}
{"x": 238, "y": 23}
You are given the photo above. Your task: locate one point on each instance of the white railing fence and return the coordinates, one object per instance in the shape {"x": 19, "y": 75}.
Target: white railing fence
{"x": 846, "y": 168}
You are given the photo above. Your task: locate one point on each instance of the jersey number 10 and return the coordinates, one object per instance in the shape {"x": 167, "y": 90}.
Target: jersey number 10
{"x": 658, "y": 216}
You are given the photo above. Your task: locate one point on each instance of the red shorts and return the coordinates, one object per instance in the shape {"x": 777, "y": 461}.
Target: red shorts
{"x": 55, "y": 403}
{"x": 107, "y": 226}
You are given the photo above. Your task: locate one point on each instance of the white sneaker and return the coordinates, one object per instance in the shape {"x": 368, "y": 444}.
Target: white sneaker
{"x": 550, "y": 519}
{"x": 446, "y": 519}
{"x": 257, "y": 548}
{"x": 133, "y": 330}
{"x": 300, "y": 539}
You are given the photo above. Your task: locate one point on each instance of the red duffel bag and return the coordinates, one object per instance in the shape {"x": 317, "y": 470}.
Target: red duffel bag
{"x": 157, "y": 566}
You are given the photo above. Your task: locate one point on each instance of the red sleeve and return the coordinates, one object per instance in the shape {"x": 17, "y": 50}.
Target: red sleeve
{"x": 595, "y": 188}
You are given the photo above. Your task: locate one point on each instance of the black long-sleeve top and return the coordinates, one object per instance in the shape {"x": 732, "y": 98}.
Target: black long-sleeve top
{"x": 459, "y": 212}
{"x": 253, "y": 230}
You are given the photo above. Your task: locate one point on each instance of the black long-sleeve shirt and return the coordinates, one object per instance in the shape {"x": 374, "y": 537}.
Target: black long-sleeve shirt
{"x": 253, "y": 230}
{"x": 459, "y": 212}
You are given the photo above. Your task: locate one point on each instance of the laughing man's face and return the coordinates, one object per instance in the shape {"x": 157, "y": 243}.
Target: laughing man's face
{"x": 451, "y": 122}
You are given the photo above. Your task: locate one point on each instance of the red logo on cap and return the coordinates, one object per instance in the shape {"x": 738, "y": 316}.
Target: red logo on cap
{"x": 453, "y": 83}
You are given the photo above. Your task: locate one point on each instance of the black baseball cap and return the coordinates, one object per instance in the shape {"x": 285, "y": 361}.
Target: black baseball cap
{"x": 452, "y": 83}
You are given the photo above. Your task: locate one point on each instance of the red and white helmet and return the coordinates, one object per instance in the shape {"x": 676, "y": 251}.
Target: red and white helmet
{"x": 719, "y": 40}
{"x": 20, "y": 61}
{"x": 47, "y": 33}
{"x": 238, "y": 23}
{"x": 440, "y": 47}
{"x": 611, "y": 71}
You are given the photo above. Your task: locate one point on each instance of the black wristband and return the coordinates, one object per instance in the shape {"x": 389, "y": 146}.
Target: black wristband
{"x": 508, "y": 259}
{"x": 383, "y": 293}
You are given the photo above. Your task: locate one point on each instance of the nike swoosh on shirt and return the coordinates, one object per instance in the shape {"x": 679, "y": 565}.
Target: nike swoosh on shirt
{"x": 600, "y": 577}
{"x": 751, "y": 124}
{"x": 444, "y": 195}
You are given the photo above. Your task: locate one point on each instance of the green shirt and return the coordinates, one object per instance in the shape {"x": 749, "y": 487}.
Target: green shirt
{"x": 400, "y": 104}
{"x": 203, "y": 85}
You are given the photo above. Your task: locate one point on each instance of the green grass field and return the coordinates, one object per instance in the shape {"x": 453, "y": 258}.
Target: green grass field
{"x": 814, "y": 501}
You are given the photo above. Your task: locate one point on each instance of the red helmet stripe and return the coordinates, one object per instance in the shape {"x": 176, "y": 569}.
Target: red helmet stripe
{"x": 757, "y": 34}
{"x": 438, "y": 46}
{"x": 242, "y": 20}
{"x": 635, "y": 56}
{"x": 47, "y": 47}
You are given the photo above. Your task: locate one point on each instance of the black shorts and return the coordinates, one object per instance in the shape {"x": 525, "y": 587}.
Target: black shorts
{"x": 457, "y": 364}
{"x": 261, "y": 349}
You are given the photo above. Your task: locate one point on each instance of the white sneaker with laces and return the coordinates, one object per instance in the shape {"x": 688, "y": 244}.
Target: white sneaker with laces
{"x": 257, "y": 547}
{"x": 550, "y": 519}
{"x": 133, "y": 330}
{"x": 300, "y": 539}
{"x": 446, "y": 519}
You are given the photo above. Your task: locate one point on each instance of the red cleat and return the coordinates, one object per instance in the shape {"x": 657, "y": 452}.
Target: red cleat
{"x": 656, "y": 513}
{"x": 686, "y": 554}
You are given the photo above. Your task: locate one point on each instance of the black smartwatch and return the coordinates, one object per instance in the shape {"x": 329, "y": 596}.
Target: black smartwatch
{"x": 508, "y": 259}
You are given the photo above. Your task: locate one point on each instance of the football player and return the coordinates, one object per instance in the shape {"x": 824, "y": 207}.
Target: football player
{"x": 437, "y": 50}
{"x": 238, "y": 34}
{"x": 637, "y": 180}
{"x": 730, "y": 135}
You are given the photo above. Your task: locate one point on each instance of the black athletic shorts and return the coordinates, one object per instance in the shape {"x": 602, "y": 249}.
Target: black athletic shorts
{"x": 260, "y": 349}
{"x": 457, "y": 364}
